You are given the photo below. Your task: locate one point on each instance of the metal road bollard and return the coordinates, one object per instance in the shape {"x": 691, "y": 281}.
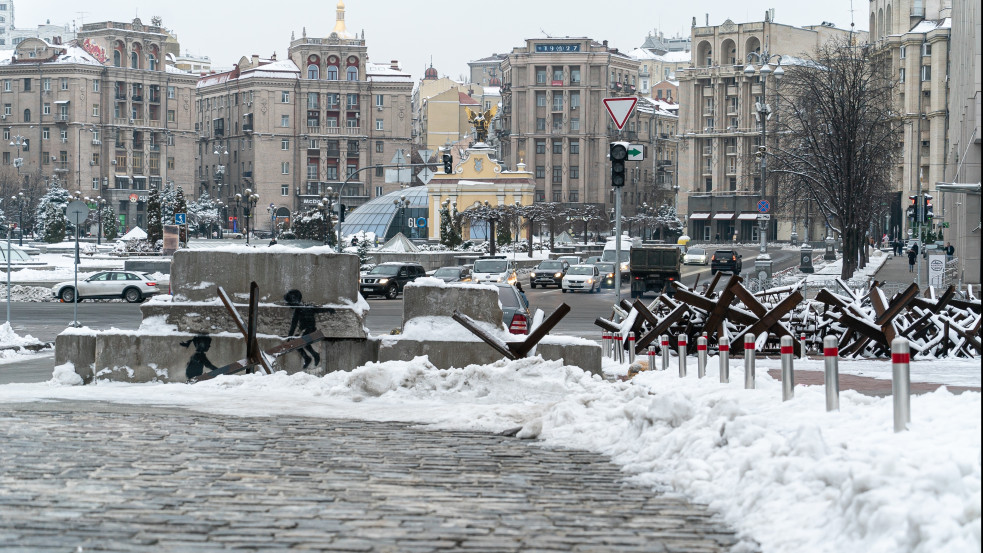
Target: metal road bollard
{"x": 901, "y": 383}
{"x": 631, "y": 347}
{"x": 723, "y": 355}
{"x": 665, "y": 352}
{"x": 748, "y": 361}
{"x": 802, "y": 346}
{"x": 701, "y": 356}
{"x": 651, "y": 358}
{"x": 606, "y": 344}
{"x": 619, "y": 347}
{"x": 682, "y": 355}
{"x": 831, "y": 354}
{"x": 788, "y": 376}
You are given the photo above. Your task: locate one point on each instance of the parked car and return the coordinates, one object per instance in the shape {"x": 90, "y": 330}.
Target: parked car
{"x": 453, "y": 274}
{"x": 696, "y": 256}
{"x": 515, "y": 309}
{"x": 494, "y": 269}
{"x": 606, "y": 272}
{"x": 592, "y": 260}
{"x": 582, "y": 277}
{"x": 569, "y": 259}
{"x": 548, "y": 273}
{"x": 726, "y": 260}
{"x": 128, "y": 285}
{"x": 389, "y": 279}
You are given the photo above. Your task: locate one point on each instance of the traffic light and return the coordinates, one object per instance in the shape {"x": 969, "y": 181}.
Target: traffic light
{"x": 912, "y": 211}
{"x": 448, "y": 164}
{"x": 341, "y": 213}
{"x": 929, "y": 213}
{"x": 619, "y": 153}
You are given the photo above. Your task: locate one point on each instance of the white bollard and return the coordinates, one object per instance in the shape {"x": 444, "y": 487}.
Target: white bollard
{"x": 701, "y": 356}
{"x": 619, "y": 347}
{"x": 802, "y": 346}
{"x": 665, "y": 352}
{"x": 651, "y": 358}
{"x": 901, "y": 382}
{"x": 723, "y": 355}
{"x": 631, "y": 347}
{"x": 748, "y": 361}
{"x": 831, "y": 355}
{"x": 788, "y": 376}
{"x": 606, "y": 344}
{"x": 682, "y": 355}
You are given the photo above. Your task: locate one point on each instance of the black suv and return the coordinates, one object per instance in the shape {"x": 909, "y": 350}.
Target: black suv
{"x": 726, "y": 260}
{"x": 388, "y": 279}
{"x": 548, "y": 273}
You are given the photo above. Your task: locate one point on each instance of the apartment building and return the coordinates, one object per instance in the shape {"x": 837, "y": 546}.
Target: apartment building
{"x": 102, "y": 115}
{"x": 553, "y": 118}
{"x": 487, "y": 71}
{"x": 659, "y": 59}
{"x": 653, "y": 125}
{"x": 289, "y": 129}
{"x": 719, "y": 176}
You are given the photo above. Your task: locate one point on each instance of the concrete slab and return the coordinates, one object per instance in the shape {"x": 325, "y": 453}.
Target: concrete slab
{"x": 209, "y": 318}
{"x": 423, "y": 299}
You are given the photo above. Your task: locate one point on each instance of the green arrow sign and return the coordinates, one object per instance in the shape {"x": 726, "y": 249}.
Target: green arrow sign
{"x": 636, "y": 152}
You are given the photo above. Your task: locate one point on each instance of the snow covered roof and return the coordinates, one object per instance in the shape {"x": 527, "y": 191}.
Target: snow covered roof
{"x": 669, "y": 57}
{"x": 71, "y": 53}
{"x": 466, "y": 100}
{"x": 931, "y": 24}
{"x": 383, "y": 73}
{"x": 658, "y": 106}
{"x": 136, "y": 233}
{"x": 493, "y": 91}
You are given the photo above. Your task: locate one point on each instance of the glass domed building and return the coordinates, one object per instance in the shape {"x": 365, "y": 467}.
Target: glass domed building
{"x": 385, "y": 217}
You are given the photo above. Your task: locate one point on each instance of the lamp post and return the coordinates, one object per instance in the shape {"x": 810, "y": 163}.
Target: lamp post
{"x": 326, "y": 206}
{"x": 763, "y": 263}
{"x": 19, "y": 198}
{"x": 248, "y": 202}
{"x": 401, "y": 204}
{"x": 219, "y": 169}
{"x": 220, "y": 210}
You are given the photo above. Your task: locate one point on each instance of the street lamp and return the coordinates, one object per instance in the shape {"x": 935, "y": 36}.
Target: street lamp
{"x": 19, "y": 199}
{"x": 326, "y": 206}
{"x": 220, "y": 210}
{"x": 401, "y": 204}
{"x": 248, "y": 201}
{"x": 763, "y": 263}
{"x": 219, "y": 169}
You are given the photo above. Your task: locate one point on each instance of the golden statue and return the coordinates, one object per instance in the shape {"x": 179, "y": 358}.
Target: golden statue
{"x": 480, "y": 121}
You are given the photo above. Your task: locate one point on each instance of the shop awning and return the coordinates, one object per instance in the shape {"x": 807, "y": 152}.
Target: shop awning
{"x": 726, "y": 216}
{"x": 747, "y": 217}
{"x": 697, "y": 216}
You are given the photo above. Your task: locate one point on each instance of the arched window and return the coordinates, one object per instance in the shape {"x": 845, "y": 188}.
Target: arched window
{"x": 153, "y": 62}
{"x": 352, "y": 73}
{"x": 332, "y": 72}
{"x": 312, "y": 72}
{"x": 117, "y": 58}
{"x": 27, "y": 116}
{"x": 134, "y": 60}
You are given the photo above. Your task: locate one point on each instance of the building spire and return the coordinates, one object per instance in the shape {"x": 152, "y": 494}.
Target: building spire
{"x": 339, "y": 25}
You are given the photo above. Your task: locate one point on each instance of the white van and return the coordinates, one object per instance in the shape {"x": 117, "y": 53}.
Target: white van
{"x": 610, "y": 253}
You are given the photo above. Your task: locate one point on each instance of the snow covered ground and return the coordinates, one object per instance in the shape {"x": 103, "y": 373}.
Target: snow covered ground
{"x": 787, "y": 475}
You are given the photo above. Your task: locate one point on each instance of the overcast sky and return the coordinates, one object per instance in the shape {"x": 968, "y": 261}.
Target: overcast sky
{"x": 450, "y": 32}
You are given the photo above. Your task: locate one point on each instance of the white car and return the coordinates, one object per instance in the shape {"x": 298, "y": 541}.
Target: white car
{"x": 696, "y": 256}
{"x": 128, "y": 285}
{"x": 582, "y": 277}
{"x": 493, "y": 270}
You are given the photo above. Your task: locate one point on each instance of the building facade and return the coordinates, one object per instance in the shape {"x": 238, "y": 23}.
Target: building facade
{"x": 102, "y": 115}
{"x": 719, "y": 176}
{"x": 553, "y": 117}
{"x": 652, "y": 182}
{"x": 487, "y": 71}
{"x": 11, "y": 36}
{"x": 290, "y": 129}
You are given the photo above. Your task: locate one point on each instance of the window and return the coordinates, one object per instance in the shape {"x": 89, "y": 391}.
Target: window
{"x": 170, "y": 92}
{"x": 312, "y": 102}
{"x": 64, "y": 83}
{"x": 574, "y": 75}
{"x": 540, "y": 172}
{"x": 6, "y": 158}
{"x": 540, "y": 75}
{"x": 6, "y": 85}
{"x": 574, "y": 147}
{"x": 170, "y": 163}
{"x": 574, "y": 174}
{"x": 901, "y": 74}
{"x": 332, "y": 73}
{"x": 331, "y": 172}
{"x": 540, "y": 123}
{"x": 170, "y": 116}
{"x": 46, "y": 84}
{"x": 379, "y": 171}
{"x": 45, "y": 133}
{"x": 45, "y": 158}
{"x": 378, "y": 191}
{"x": 352, "y": 101}
{"x": 95, "y": 183}
{"x": 332, "y": 99}
{"x": 285, "y": 97}
{"x": 540, "y": 146}
{"x": 557, "y": 175}
{"x": 557, "y": 196}
{"x": 926, "y": 73}
{"x": 379, "y": 146}
{"x": 312, "y": 72}
{"x": 379, "y": 100}
{"x": 379, "y": 125}
{"x": 284, "y": 120}
{"x": 6, "y": 109}
{"x": 574, "y": 100}
{"x": 926, "y": 49}
{"x": 46, "y": 109}
{"x": 27, "y": 116}
{"x": 95, "y": 110}
{"x": 557, "y": 102}
{"x": 557, "y": 146}
{"x": 903, "y": 51}
{"x": 352, "y": 73}
{"x": 285, "y": 168}
{"x": 95, "y": 135}
{"x": 95, "y": 159}
{"x": 285, "y": 144}
{"x": 351, "y": 169}
{"x": 540, "y": 99}
{"x": 575, "y": 124}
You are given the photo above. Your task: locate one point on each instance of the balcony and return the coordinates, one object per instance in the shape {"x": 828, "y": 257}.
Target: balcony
{"x": 247, "y": 127}
{"x": 313, "y": 129}
{"x": 708, "y": 92}
{"x": 155, "y": 147}
{"x": 732, "y": 90}
{"x": 707, "y": 150}
{"x": 353, "y": 130}
{"x": 61, "y": 118}
{"x": 247, "y": 174}
{"x": 732, "y": 150}
{"x": 137, "y": 97}
{"x": 60, "y": 166}
{"x": 155, "y": 98}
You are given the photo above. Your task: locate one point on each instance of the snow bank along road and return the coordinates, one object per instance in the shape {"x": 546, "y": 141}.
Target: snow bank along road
{"x": 95, "y": 476}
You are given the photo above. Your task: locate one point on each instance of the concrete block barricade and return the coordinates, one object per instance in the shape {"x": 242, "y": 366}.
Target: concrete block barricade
{"x": 212, "y": 317}
{"x": 323, "y": 277}
{"x": 431, "y": 297}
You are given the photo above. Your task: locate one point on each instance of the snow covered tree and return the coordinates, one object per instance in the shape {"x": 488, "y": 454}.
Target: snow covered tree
{"x": 311, "y": 225}
{"x": 110, "y": 224}
{"x": 3, "y": 223}
{"x": 450, "y": 232}
{"x": 363, "y": 251}
{"x": 180, "y": 206}
{"x": 155, "y": 227}
{"x": 168, "y": 199}
{"x": 203, "y": 214}
{"x": 57, "y": 198}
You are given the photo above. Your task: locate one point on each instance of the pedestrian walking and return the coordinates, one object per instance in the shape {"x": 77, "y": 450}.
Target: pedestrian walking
{"x": 950, "y": 251}
{"x": 912, "y": 255}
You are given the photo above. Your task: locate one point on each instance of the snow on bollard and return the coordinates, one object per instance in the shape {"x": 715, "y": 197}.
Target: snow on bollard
{"x": 606, "y": 344}
{"x": 901, "y": 383}
{"x": 788, "y": 377}
{"x": 723, "y": 355}
{"x": 682, "y": 355}
{"x": 748, "y": 361}
{"x": 701, "y": 356}
{"x": 802, "y": 346}
{"x": 831, "y": 354}
{"x": 665, "y": 352}
{"x": 651, "y": 358}
{"x": 631, "y": 347}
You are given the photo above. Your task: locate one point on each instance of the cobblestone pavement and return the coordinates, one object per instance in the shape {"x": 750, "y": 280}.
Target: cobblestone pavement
{"x": 92, "y": 476}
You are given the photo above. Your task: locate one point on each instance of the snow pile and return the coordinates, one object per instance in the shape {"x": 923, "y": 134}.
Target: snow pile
{"x": 9, "y": 338}
{"x": 787, "y": 475}
{"x": 27, "y": 293}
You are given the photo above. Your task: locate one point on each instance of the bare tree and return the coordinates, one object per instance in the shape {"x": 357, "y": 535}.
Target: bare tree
{"x": 838, "y": 140}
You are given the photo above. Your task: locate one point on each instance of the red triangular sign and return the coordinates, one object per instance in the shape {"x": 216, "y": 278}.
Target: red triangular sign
{"x": 620, "y": 109}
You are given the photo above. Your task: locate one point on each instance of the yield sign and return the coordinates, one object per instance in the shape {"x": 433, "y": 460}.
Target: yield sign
{"x": 620, "y": 109}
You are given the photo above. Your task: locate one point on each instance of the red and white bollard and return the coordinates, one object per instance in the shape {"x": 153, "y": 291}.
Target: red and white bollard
{"x": 788, "y": 377}
{"x": 723, "y": 356}
{"x": 682, "y": 355}
{"x": 665, "y": 352}
{"x": 901, "y": 382}
{"x": 651, "y": 358}
{"x": 701, "y": 356}
{"x": 831, "y": 355}
{"x": 802, "y": 346}
{"x": 606, "y": 344}
{"x": 748, "y": 361}
{"x": 631, "y": 347}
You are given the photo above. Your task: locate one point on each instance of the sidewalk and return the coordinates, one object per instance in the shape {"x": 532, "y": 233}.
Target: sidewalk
{"x": 895, "y": 271}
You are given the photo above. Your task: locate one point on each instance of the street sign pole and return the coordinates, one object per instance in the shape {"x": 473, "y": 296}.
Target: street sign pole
{"x": 617, "y": 245}
{"x": 77, "y": 211}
